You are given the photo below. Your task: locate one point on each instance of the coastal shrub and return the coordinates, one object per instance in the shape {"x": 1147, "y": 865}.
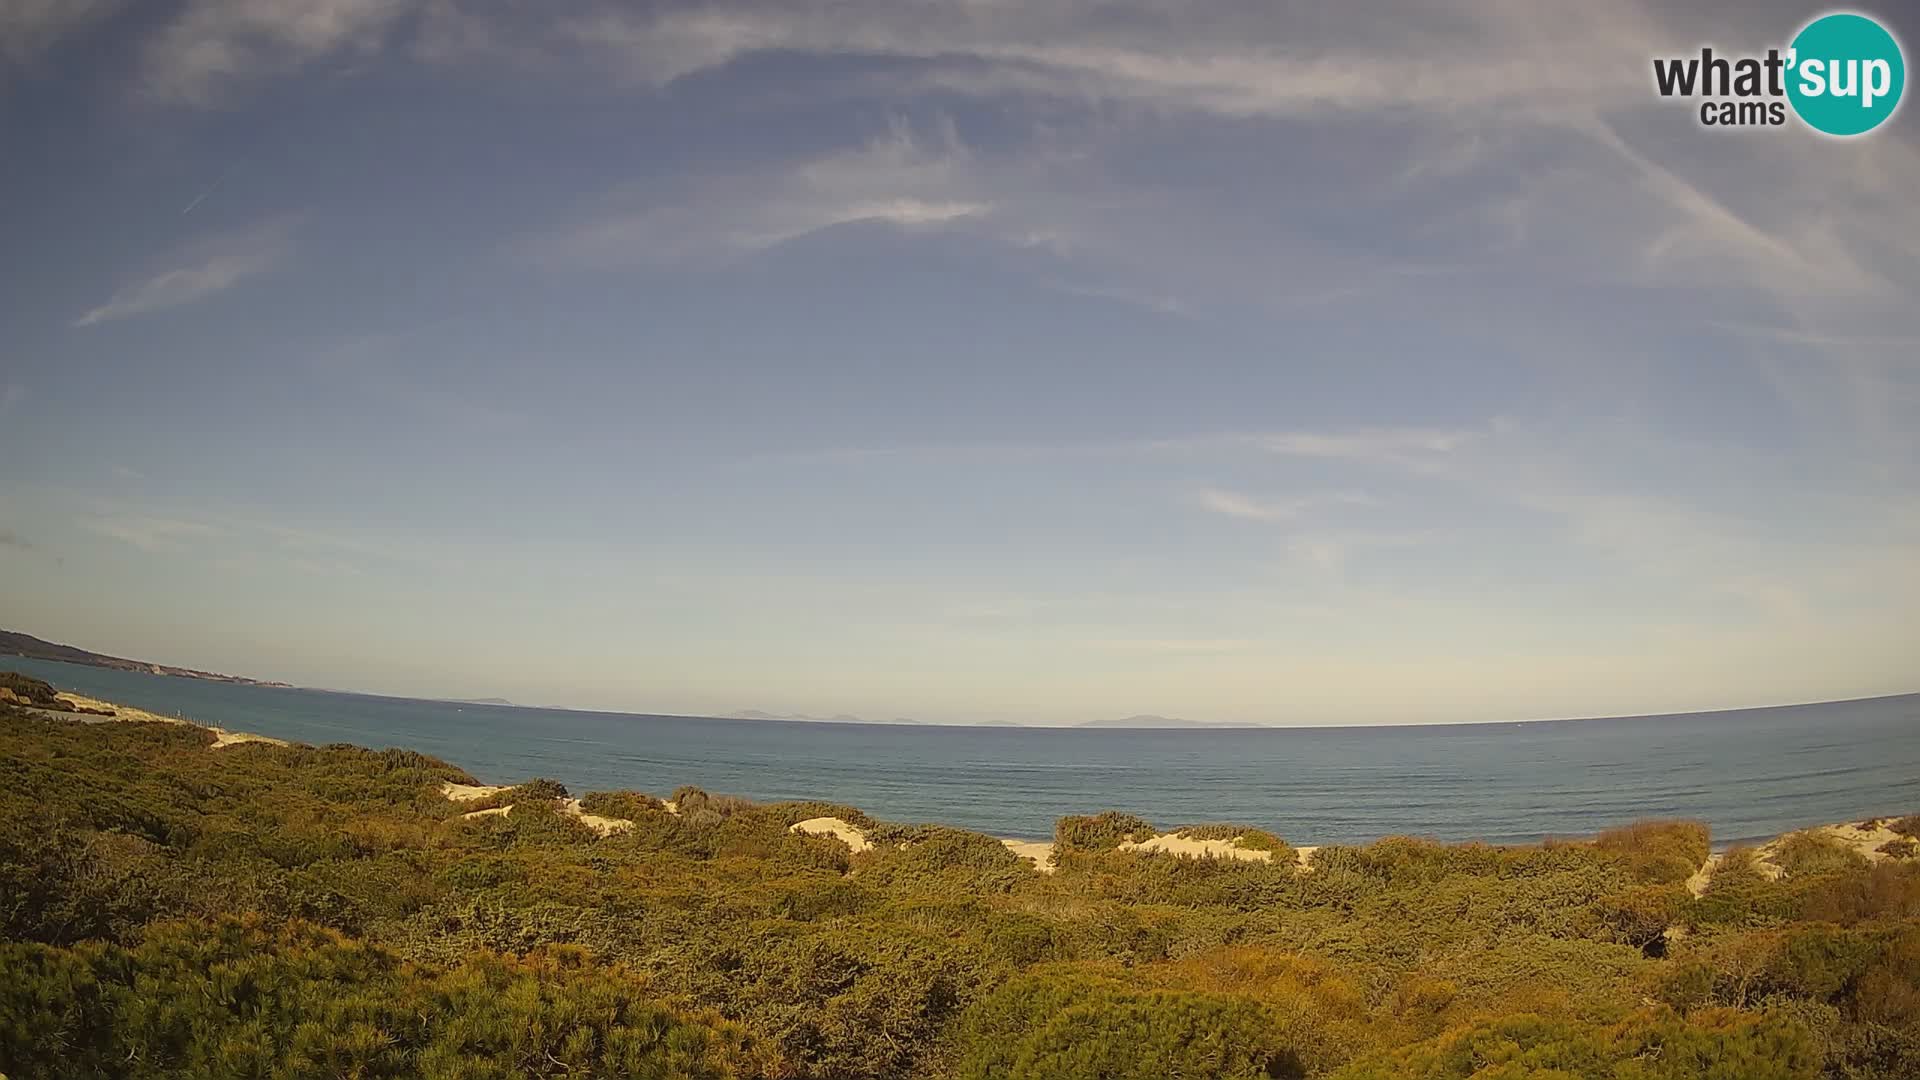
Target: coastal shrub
{"x": 946, "y": 860}
{"x": 235, "y": 997}
{"x": 1882, "y": 891}
{"x": 1068, "y": 1026}
{"x": 1803, "y": 854}
{"x": 1650, "y": 1046}
{"x": 60, "y": 884}
{"x": 1902, "y": 848}
{"x": 1246, "y": 837}
{"x": 115, "y": 837}
{"x": 537, "y": 789}
{"x": 1640, "y": 915}
{"x": 1819, "y": 961}
{"x": 1262, "y": 840}
{"x": 1100, "y": 832}
{"x": 699, "y": 809}
{"x": 624, "y": 805}
{"x": 790, "y": 813}
{"x": 1906, "y": 826}
{"x": 1657, "y": 851}
{"x": 1216, "y": 831}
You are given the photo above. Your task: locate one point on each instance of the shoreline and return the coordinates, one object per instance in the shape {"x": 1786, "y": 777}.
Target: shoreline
{"x": 1039, "y": 850}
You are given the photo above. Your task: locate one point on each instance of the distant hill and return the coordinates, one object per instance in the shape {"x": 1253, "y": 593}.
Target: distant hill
{"x": 841, "y": 718}
{"x": 13, "y": 643}
{"x": 1147, "y": 721}
{"x": 997, "y": 723}
{"x": 483, "y": 701}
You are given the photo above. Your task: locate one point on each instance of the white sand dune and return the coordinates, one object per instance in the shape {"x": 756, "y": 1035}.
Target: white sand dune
{"x": 1864, "y": 837}
{"x": 605, "y": 826}
{"x": 130, "y": 715}
{"x": 1039, "y": 851}
{"x": 469, "y": 792}
{"x": 851, "y": 835}
{"x": 1188, "y": 847}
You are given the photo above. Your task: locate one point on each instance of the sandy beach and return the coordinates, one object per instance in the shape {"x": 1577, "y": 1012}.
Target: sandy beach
{"x": 129, "y": 714}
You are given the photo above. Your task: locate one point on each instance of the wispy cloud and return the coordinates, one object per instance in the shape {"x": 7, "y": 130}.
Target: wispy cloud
{"x": 901, "y": 179}
{"x": 149, "y": 533}
{"x": 214, "y": 44}
{"x": 1176, "y": 646}
{"x": 1253, "y": 508}
{"x": 30, "y": 27}
{"x": 201, "y": 270}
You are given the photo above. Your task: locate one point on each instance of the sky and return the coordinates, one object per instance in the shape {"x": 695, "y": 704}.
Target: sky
{"x": 1030, "y": 360}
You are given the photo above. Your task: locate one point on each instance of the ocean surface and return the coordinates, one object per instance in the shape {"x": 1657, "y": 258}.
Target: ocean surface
{"x": 1750, "y": 773}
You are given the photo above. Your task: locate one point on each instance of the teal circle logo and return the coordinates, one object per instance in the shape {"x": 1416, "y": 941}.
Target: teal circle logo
{"x": 1846, "y": 74}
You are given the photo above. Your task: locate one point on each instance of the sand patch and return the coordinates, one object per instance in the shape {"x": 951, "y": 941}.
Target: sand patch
{"x": 1864, "y": 837}
{"x": 1697, "y": 884}
{"x": 127, "y": 714}
{"x": 1040, "y": 852}
{"x": 1865, "y": 840}
{"x": 1188, "y": 847}
{"x": 223, "y": 737}
{"x": 605, "y": 826}
{"x": 846, "y": 833}
{"x": 469, "y": 792}
{"x": 1303, "y": 856}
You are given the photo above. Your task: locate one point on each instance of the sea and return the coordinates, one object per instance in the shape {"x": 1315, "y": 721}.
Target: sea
{"x": 1749, "y": 773}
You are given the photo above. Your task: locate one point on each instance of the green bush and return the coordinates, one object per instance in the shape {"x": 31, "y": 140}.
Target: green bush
{"x": 1100, "y": 832}
{"x": 937, "y": 954}
{"x": 1640, "y": 915}
{"x": 1722, "y": 1045}
{"x": 236, "y": 998}
{"x": 1657, "y": 851}
{"x": 624, "y": 805}
{"x": 1068, "y": 1027}
{"x": 1804, "y": 854}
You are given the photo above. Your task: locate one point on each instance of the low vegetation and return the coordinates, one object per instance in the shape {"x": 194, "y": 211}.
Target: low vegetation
{"x": 265, "y": 910}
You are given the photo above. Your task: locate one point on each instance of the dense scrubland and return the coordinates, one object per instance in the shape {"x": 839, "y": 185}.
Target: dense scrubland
{"x": 169, "y": 909}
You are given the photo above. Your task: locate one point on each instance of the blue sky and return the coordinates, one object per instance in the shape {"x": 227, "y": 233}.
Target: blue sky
{"x": 1043, "y": 361}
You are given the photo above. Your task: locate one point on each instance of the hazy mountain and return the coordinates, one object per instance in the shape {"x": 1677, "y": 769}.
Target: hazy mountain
{"x": 1148, "y": 721}
{"x": 840, "y": 718}
{"x": 13, "y": 643}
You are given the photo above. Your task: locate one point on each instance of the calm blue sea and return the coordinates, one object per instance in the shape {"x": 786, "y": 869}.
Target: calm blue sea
{"x": 1750, "y": 773}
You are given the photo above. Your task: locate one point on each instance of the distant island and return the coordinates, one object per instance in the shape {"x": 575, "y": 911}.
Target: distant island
{"x": 1147, "y": 721}
{"x": 839, "y": 718}
{"x": 13, "y": 643}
